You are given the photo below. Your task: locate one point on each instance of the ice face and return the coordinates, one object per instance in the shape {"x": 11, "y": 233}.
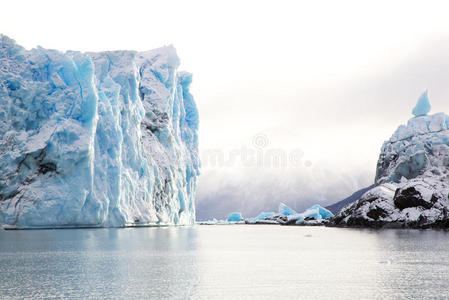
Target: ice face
{"x": 309, "y": 214}
{"x": 324, "y": 213}
{"x": 315, "y": 212}
{"x": 285, "y": 210}
{"x": 422, "y": 108}
{"x": 95, "y": 139}
{"x": 235, "y": 217}
{"x": 414, "y": 149}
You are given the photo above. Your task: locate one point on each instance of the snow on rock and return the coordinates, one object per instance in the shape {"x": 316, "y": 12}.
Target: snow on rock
{"x": 95, "y": 139}
{"x": 412, "y": 178}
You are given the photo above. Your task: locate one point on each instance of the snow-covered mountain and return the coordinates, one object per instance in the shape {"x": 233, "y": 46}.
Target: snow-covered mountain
{"x": 95, "y": 139}
{"x": 336, "y": 207}
{"x": 412, "y": 177}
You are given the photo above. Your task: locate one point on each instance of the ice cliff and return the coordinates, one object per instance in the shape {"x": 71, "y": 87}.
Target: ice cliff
{"x": 412, "y": 177}
{"x": 95, "y": 139}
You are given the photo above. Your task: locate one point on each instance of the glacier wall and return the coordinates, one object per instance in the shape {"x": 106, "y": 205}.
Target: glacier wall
{"x": 418, "y": 147}
{"x": 96, "y": 139}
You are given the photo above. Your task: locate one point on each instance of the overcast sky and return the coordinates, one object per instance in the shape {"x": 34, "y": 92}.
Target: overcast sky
{"x": 317, "y": 84}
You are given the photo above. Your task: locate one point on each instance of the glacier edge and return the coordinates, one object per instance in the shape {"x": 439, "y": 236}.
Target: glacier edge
{"x": 96, "y": 139}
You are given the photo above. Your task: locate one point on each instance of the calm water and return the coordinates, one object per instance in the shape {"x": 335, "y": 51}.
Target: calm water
{"x": 224, "y": 262}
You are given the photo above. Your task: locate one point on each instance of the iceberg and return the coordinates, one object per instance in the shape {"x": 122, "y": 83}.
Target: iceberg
{"x": 324, "y": 213}
{"x": 423, "y": 106}
{"x": 264, "y": 215}
{"x": 106, "y": 139}
{"x": 235, "y": 217}
{"x": 314, "y": 215}
{"x": 265, "y": 218}
{"x": 212, "y": 222}
{"x": 285, "y": 210}
{"x": 311, "y": 213}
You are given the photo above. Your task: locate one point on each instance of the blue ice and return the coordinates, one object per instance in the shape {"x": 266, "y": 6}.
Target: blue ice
{"x": 96, "y": 139}
{"x": 235, "y": 217}
{"x": 285, "y": 210}
{"x": 423, "y": 106}
{"x": 264, "y": 215}
{"x": 324, "y": 213}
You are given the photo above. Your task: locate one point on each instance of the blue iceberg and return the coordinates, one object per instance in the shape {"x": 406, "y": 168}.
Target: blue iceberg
{"x": 324, "y": 213}
{"x": 423, "y": 106}
{"x": 235, "y": 217}
{"x": 264, "y": 215}
{"x": 96, "y": 139}
{"x": 316, "y": 213}
{"x": 260, "y": 217}
{"x": 285, "y": 210}
{"x": 309, "y": 214}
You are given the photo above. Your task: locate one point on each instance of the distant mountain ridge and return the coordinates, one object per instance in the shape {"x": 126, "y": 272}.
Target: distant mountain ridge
{"x": 336, "y": 207}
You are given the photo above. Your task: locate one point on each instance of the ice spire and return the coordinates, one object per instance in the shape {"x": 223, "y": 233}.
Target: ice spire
{"x": 422, "y": 108}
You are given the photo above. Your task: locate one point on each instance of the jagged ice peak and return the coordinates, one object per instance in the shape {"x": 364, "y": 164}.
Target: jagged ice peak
{"x": 423, "y": 106}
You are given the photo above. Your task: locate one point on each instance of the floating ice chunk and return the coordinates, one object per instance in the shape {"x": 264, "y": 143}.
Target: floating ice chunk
{"x": 312, "y": 214}
{"x": 235, "y": 217}
{"x": 212, "y": 222}
{"x": 315, "y": 212}
{"x": 422, "y": 108}
{"x": 264, "y": 215}
{"x": 285, "y": 210}
{"x": 322, "y": 211}
{"x": 208, "y": 222}
{"x": 271, "y": 222}
{"x": 308, "y": 214}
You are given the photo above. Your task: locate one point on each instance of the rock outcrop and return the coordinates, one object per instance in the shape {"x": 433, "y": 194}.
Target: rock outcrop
{"x": 412, "y": 178}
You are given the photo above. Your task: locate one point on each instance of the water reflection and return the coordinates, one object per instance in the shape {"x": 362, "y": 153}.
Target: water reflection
{"x": 224, "y": 262}
{"x": 419, "y": 262}
{"x": 98, "y": 263}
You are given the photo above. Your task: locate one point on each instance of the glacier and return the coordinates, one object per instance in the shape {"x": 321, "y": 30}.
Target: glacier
{"x": 107, "y": 139}
{"x": 412, "y": 177}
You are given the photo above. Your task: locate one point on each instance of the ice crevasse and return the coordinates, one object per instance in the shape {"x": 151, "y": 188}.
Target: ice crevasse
{"x": 95, "y": 139}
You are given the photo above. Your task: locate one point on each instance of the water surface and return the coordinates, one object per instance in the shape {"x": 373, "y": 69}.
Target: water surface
{"x": 224, "y": 262}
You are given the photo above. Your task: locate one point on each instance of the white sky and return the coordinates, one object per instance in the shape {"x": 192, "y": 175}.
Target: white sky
{"x": 332, "y": 78}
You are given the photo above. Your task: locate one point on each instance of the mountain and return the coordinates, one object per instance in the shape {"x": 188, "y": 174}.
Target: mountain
{"x": 335, "y": 208}
{"x": 95, "y": 139}
{"x": 412, "y": 177}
